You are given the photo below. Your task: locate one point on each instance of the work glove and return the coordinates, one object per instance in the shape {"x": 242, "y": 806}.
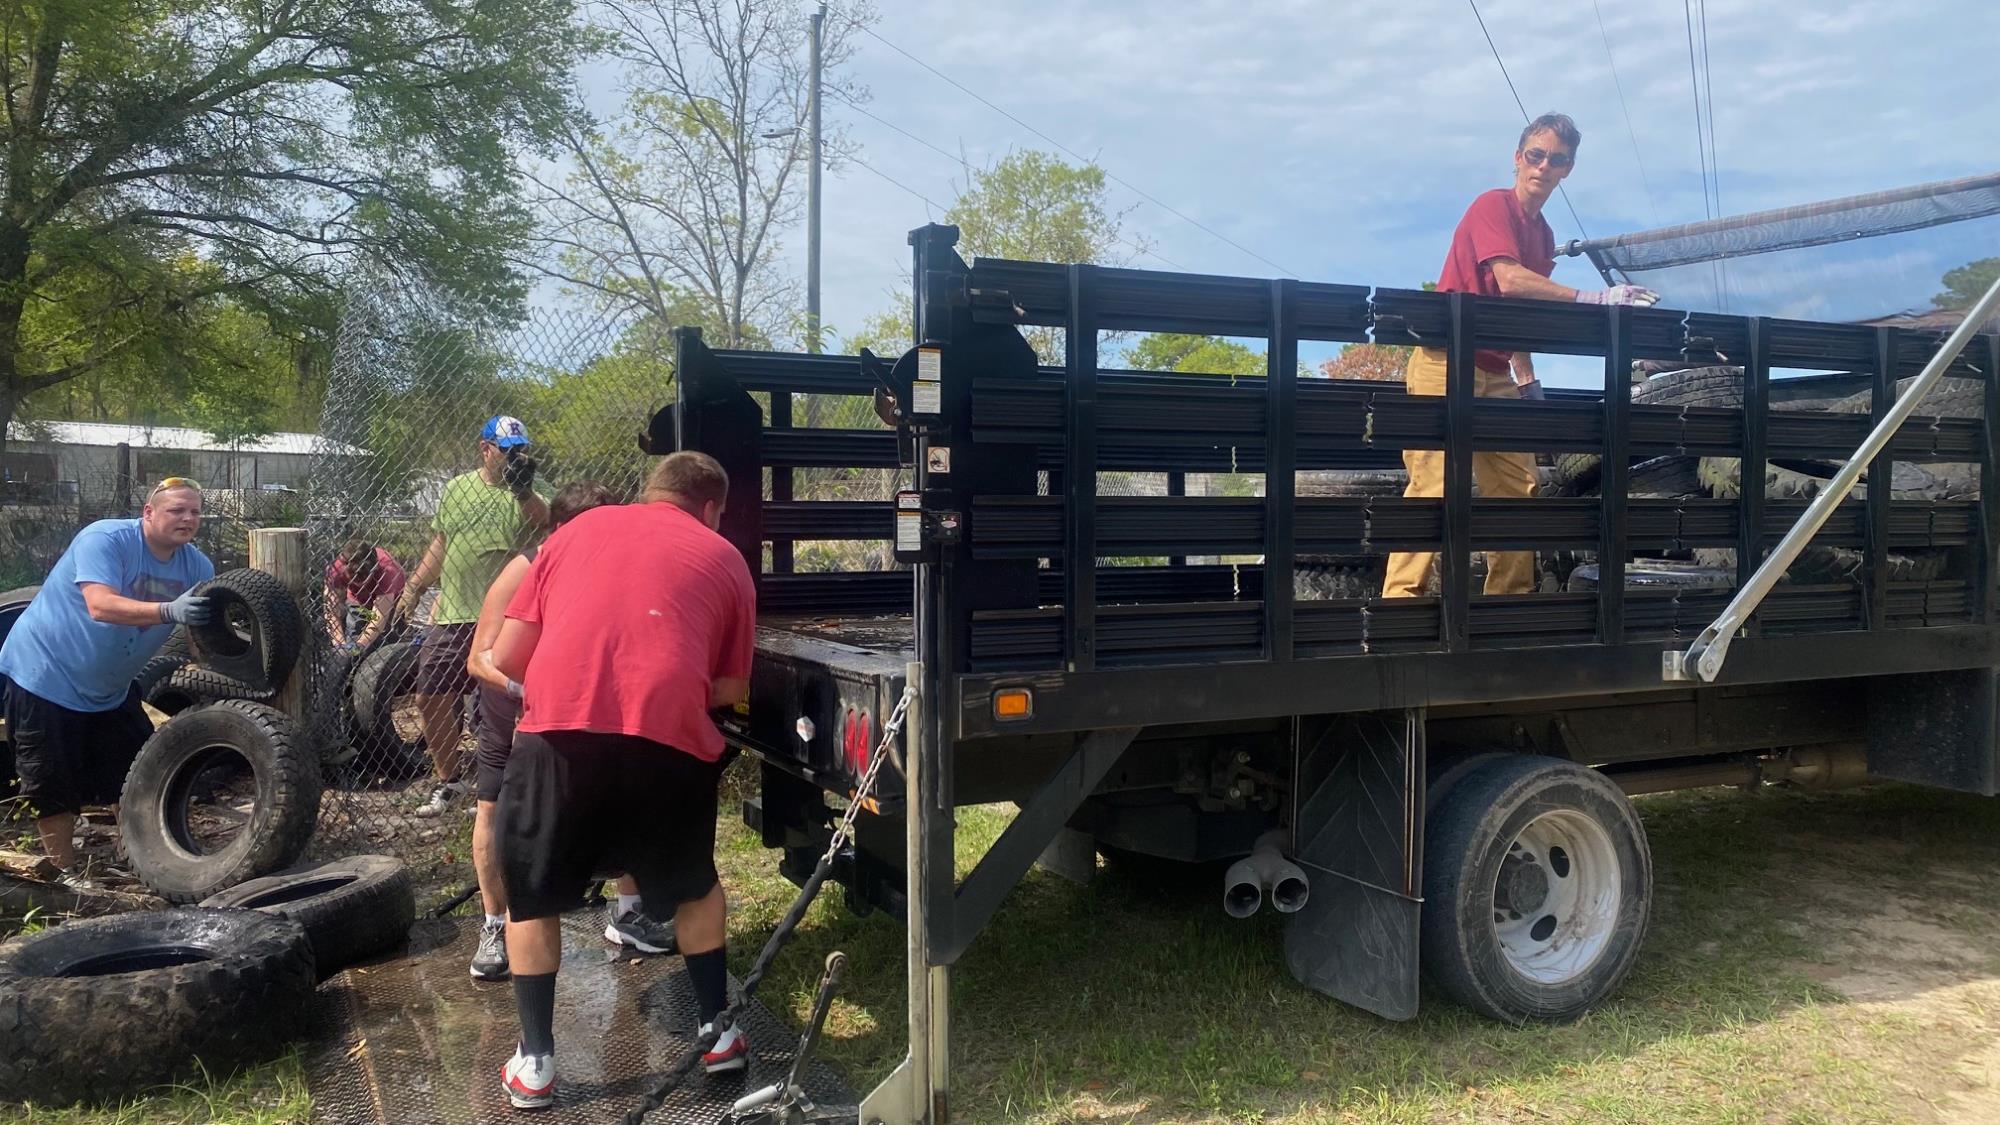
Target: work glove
{"x": 1618, "y": 295}
{"x": 513, "y": 689}
{"x": 519, "y": 475}
{"x": 188, "y": 609}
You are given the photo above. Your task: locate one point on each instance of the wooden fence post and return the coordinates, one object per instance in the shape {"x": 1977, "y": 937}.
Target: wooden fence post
{"x": 281, "y": 551}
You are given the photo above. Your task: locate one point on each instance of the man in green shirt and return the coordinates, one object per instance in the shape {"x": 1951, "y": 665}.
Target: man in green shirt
{"x": 483, "y": 517}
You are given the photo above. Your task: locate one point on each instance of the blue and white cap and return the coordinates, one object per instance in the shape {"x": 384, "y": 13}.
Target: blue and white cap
{"x": 505, "y": 431}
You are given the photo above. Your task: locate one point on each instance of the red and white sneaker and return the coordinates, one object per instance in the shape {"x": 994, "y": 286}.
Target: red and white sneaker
{"x": 731, "y": 1051}
{"x": 530, "y": 1080}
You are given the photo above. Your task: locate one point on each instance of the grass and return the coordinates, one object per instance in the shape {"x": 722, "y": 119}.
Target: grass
{"x": 1130, "y": 1000}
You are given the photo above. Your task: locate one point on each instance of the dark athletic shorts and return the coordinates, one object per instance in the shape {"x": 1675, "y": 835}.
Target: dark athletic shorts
{"x": 498, "y": 712}
{"x": 575, "y": 804}
{"x": 441, "y": 661}
{"x": 68, "y": 759}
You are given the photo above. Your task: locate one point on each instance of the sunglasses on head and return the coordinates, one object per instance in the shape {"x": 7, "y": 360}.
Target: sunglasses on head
{"x": 1535, "y": 156}
{"x": 176, "y": 482}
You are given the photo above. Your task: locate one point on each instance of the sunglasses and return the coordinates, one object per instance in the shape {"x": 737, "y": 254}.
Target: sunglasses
{"x": 1535, "y": 156}
{"x": 176, "y": 482}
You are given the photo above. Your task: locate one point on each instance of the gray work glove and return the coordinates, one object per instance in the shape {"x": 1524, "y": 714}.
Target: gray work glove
{"x": 1618, "y": 295}
{"x": 188, "y": 609}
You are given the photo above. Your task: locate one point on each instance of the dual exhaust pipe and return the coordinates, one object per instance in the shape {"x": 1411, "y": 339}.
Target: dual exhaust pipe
{"x": 1265, "y": 873}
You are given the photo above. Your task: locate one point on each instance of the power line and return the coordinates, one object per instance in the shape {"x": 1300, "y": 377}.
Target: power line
{"x": 1694, "y": 87}
{"x": 1073, "y": 154}
{"x": 1708, "y": 94}
{"x": 1629, "y": 130}
{"x": 1474, "y": 4}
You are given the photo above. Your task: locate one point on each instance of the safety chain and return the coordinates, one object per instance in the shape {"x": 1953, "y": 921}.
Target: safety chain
{"x": 841, "y": 834}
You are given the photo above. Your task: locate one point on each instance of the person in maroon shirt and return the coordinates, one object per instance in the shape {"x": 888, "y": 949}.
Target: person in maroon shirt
{"x": 1502, "y": 248}
{"x": 634, "y": 623}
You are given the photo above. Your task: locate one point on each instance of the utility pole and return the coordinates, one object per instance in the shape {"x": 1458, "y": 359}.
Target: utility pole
{"x": 812, "y": 196}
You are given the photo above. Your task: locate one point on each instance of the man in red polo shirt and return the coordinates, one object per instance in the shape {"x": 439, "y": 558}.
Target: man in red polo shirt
{"x": 634, "y": 623}
{"x": 1502, "y": 248}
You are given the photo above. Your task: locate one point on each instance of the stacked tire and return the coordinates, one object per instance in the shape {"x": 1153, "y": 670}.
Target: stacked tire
{"x": 246, "y": 650}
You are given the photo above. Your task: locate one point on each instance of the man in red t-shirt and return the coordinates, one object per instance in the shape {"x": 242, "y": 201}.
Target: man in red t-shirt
{"x": 1502, "y": 248}
{"x": 364, "y": 574}
{"x": 633, "y": 624}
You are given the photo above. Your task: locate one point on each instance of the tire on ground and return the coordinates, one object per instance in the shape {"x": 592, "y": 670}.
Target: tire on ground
{"x": 379, "y": 680}
{"x": 161, "y": 785}
{"x": 254, "y": 631}
{"x": 1584, "y": 838}
{"x": 352, "y": 909}
{"x": 101, "y": 1008}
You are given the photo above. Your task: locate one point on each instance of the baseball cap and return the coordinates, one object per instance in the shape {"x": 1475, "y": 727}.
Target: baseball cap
{"x": 505, "y": 431}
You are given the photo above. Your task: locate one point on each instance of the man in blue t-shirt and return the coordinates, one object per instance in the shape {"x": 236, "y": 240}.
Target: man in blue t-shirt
{"x": 67, "y": 667}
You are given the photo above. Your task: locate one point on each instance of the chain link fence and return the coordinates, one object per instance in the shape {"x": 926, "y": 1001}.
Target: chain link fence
{"x": 414, "y": 381}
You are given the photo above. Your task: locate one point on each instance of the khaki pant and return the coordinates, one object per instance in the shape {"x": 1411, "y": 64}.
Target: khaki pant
{"x": 1493, "y": 474}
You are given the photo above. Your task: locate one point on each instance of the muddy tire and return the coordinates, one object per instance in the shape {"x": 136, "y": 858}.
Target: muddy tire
{"x": 1354, "y": 482}
{"x": 255, "y": 630}
{"x": 205, "y": 685}
{"x": 1644, "y": 574}
{"x": 1537, "y": 888}
{"x": 1341, "y": 581}
{"x": 382, "y": 677}
{"x": 1803, "y": 480}
{"x": 352, "y": 909}
{"x": 1819, "y": 565}
{"x": 99, "y": 1009}
{"x": 185, "y": 757}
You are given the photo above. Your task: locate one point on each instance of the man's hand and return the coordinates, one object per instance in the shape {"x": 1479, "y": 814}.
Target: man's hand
{"x": 519, "y": 473}
{"x": 1618, "y": 295}
{"x": 406, "y": 606}
{"x": 188, "y": 609}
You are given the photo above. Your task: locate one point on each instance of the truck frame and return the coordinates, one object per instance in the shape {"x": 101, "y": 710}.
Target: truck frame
{"x": 1447, "y": 775}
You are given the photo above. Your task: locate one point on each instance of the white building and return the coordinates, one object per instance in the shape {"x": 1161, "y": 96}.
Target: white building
{"x": 104, "y": 468}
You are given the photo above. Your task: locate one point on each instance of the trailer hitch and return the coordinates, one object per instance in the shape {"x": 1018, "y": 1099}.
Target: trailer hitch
{"x": 1703, "y": 659}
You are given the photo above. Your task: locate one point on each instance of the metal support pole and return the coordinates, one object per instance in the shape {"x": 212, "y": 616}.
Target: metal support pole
{"x": 904, "y": 1098}
{"x": 812, "y": 195}
{"x": 1703, "y": 659}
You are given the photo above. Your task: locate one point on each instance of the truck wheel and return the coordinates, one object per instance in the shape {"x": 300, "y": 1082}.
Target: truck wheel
{"x": 1537, "y": 886}
{"x": 104, "y": 1007}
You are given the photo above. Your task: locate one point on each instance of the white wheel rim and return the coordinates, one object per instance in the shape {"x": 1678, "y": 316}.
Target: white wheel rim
{"x": 1556, "y": 897}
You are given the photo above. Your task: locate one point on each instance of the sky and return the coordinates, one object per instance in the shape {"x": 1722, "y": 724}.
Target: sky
{"x": 1339, "y": 141}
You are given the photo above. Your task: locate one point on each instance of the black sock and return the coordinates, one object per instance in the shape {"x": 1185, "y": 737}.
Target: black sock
{"x": 535, "y": 1000}
{"x": 710, "y": 974}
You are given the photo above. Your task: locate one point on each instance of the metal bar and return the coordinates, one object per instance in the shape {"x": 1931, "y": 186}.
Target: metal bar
{"x": 1704, "y": 657}
{"x": 1984, "y": 602}
{"x": 1881, "y": 470}
{"x": 1280, "y": 464}
{"x": 1080, "y": 465}
{"x": 1613, "y": 533}
{"x": 1177, "y": 486}
{"x": 781, "y": 481}
{"x": 904, "y": 1097}
{"x": 1750, "y": 466}
{"x": 1455, "y": 561}
{"x": 1000, "y": 870}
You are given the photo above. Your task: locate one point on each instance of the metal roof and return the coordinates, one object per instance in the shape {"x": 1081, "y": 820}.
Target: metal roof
{"x": 174, "y": 437}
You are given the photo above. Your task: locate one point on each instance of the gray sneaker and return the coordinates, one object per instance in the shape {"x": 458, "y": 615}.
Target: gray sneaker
{"x": 444, "y": 798}
{"x": 76, "y": 879}
{"x": 489, "y": 961}
{"x": 641, "y": 932}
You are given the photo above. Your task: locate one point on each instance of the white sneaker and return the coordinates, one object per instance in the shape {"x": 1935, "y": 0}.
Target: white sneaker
{"x": 530, "y": 1080}
{"x": 444, "y": 798}
{"x": 731, "y": 1050}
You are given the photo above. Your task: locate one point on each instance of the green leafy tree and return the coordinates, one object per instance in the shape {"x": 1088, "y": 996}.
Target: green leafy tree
{"x": 1967, "y": 283}
{"x": 276, "y": 142}
{"x": 1195, "y": 355}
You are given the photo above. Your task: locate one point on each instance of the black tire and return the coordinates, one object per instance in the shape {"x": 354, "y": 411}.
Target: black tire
{"x": 99, "y": 1009}
{"x": 13, "y": 603}
{"x": 1351, "y": 482}
{"x": 352, "y": 909}
{"x": 1950, "y": 398}
{"x": 1654, "y": 573}
{"x": 382, "y": 677}
{"x": 1720, "y": 387}
{"x": 255, "y": 629}
{"x": 1475, "y": 829}
{"x": 155, "y": 677}
{"x": 205, "y": 685}
{"x": 1819, "y": 565}
{"x": 187, "y": 752}
{"x": 1312, "y": 582}
{"x": 1806, "y": 479}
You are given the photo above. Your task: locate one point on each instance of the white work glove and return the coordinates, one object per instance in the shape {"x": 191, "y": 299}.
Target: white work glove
{"x": 188, "y": 609}
{"x": 1618, "y": 295}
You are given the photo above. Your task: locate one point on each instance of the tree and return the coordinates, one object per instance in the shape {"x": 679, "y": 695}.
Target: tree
{"x": 677, "y": 202}
{"x": 1204, "y": 355}
{"x": 1367, "y": 361}
{"x": 1967, "y": 283}
{"x": 275, "y": 142}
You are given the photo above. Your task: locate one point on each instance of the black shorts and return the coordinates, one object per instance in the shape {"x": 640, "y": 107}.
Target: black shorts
{"x": 498, "y": 712}
{"x": 441, "y": 661}
{"x": 68, "y": 759}
{"x": 574, "y": 804}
